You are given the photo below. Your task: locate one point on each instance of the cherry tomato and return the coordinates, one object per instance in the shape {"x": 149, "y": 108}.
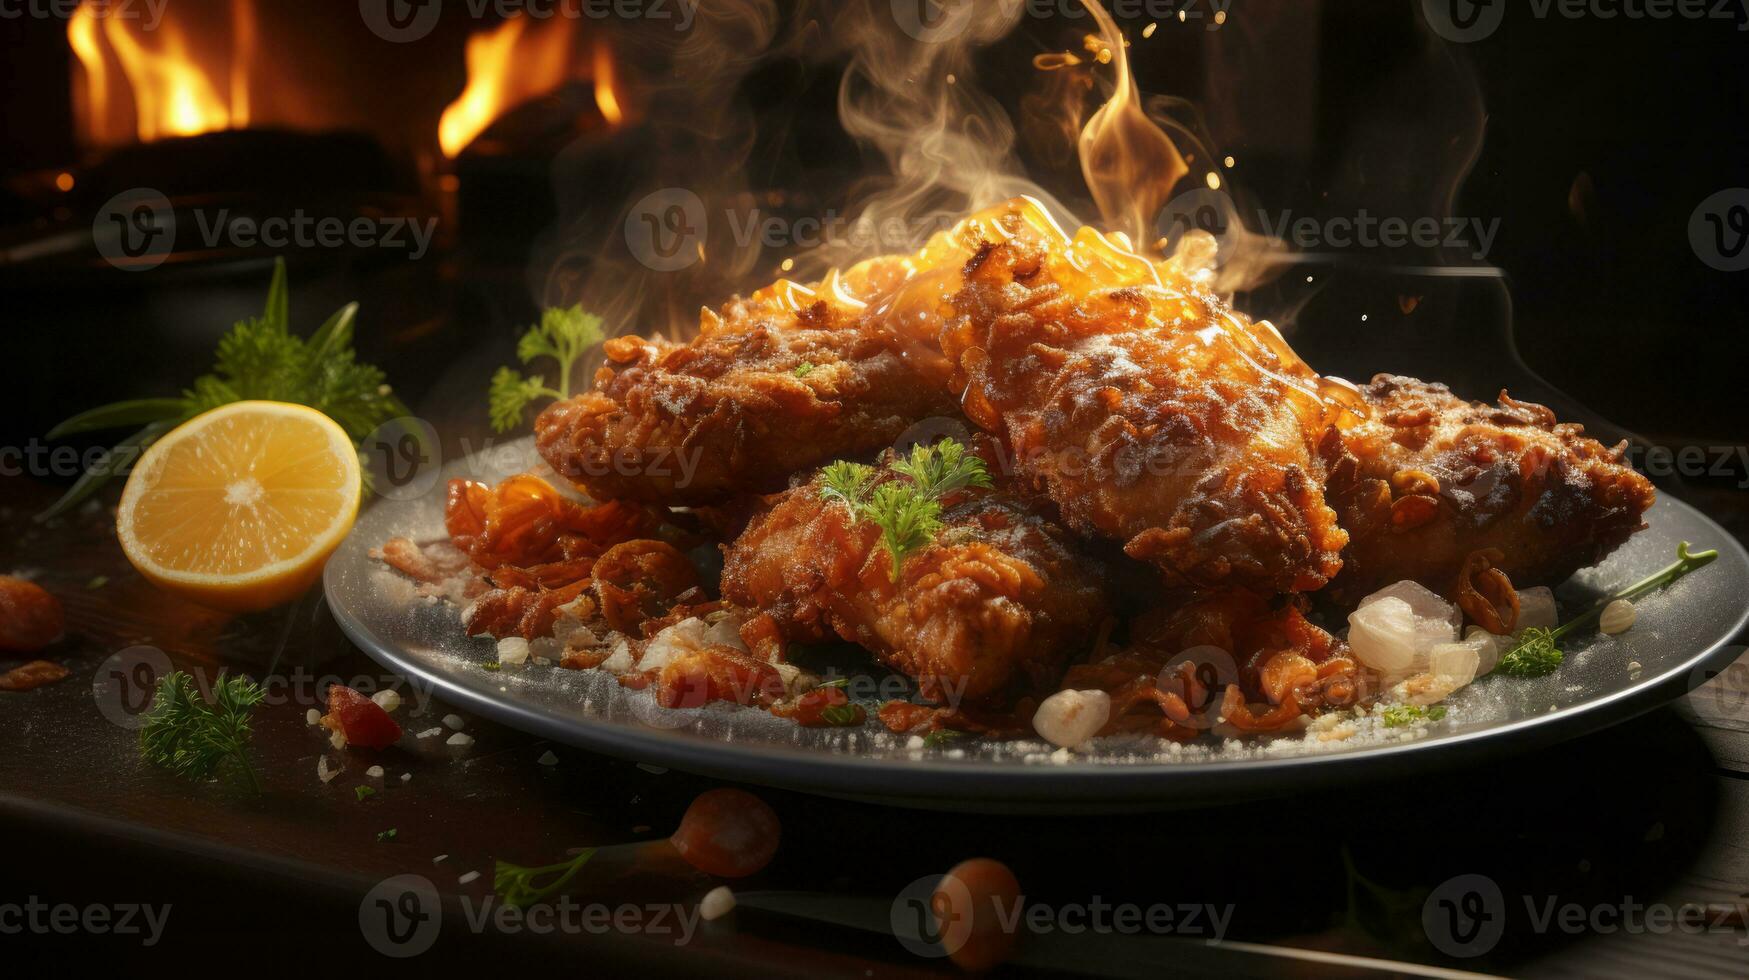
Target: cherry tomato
{"x": 973, "y": 901}
{"x": 729, "y": 833}
{"x": 361, "y": 720}
{"x": 30, "y": 618}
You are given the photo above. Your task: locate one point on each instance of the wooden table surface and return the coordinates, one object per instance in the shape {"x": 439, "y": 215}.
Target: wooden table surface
{"x": 1653, "y": 812}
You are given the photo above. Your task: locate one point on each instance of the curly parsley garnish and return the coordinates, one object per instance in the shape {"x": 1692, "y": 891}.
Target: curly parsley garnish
{"x": 259, "y": 359}
{"x": 1538, "y": 650}
{"x": 1400, "y": 715}
{"x": 804, "y": 369}
{"x": 520, "y": 887}
{"x": 908, "y": 512}
{"x": 563, "y": 335}
{"x": 195, "y": 738}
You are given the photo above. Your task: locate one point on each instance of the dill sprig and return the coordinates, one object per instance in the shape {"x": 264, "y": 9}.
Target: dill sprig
{"x": 563, "y": 335}
{"x": 195, "y": 738}
{"x": 520, "y": 887}
{"x": 908, "y": 512}
{"x": 1538, "y": 650}
{"x": 260, "y": 358}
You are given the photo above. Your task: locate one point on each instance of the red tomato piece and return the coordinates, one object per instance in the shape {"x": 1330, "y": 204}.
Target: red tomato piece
{"x": 729, "y": 833}
{"x": 361, "y": 720}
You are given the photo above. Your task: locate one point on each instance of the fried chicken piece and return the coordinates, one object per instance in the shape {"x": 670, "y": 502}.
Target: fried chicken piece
{"x": 777, "y": 383}
{"x": 999, "y": 600}
{"x": 1430, "y": 479}
{"x": 1147, "y": 410}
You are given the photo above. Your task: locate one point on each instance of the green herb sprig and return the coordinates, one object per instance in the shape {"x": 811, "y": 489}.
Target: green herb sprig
{"x": 563, "y": 335}
{"x": 1538, "y": 650}
{"x": 520, "y": 887}
{"x": 195, "y": 738}
{"x": 1401, "y": 715}
{"x": 908, "y": 512}
{"x": 260, "y": 358}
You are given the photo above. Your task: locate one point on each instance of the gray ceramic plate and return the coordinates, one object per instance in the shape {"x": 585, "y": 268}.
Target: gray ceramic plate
{"x": 1681, "y": 638}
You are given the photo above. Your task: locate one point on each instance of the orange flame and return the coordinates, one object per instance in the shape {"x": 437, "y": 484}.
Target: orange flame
{"x": 1129, "y": 164}
{"x": 519, "y": 60}
{"x": 171, "y": 94}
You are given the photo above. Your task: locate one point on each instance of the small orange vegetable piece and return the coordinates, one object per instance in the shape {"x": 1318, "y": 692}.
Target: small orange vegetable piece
{"x": 729, "y": 833}
{"x": 971, "y": 901}
{"x": 30, "y": 618}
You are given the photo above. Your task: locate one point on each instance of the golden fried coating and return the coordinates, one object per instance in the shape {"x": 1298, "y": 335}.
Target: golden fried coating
{"x": 999, "y": 601}
{"x": 1429, "y": 479}
{"x": 1147, "y": 410}
{"x": 767, "y": 389}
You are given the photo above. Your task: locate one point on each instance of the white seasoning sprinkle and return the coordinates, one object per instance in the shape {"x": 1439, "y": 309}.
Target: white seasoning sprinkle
{"x": 1617, "y": 617}
{"x": 312, "y": 717}
{"x": 324, "y": 773}
{"x": 717, "y": 902}
{"x": 440, "y": 859}
{"x": 454, "y": 721}
{"x": 338, "y": 740}
{"x": 406, "y": 777}
{"x": 548, "y": 758}
{"x": 468, "y": 878}
{"x": 388, "y": 700}
{"x": 374, "y": 772}
{"x": 430, "y": 733}
{"x": 459, "y": 740}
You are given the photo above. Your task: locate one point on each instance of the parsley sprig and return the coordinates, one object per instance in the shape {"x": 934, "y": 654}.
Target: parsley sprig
{"x": 520, "y": 887}
{"x": 195, "y": 738}
{"x": 1538, "y": 650}
{"x": 908, "y": 512}
{"x": 260, "y": 358}
{"x": 563, "y": 335}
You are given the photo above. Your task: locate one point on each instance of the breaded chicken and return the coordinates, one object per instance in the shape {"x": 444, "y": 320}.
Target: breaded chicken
{"x": 763, "y": 392}
{"x": 999, "y": 601}
{"x": 1430, "y": 478}
{"x": 1148, "y": 411}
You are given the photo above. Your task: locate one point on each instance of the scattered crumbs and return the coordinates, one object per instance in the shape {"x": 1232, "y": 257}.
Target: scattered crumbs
{"x": 459, "y": 740}
{"x": 387, "y": 835}
{"x": 312, "y": 717}
{"x": 338, "y": 740}
{"x": 387, "y": 699}
{"x": 324, "y": 773}
{"x": 362, "y": 791}
{"x": 652, "y": 770}
{"x": 374, "y": 772}
{"x": 717, "y": 902}
{"x": 430, "y": 733}
{"x": 468, "y": 878}
{"x": 406, "y": 777}
{"x": 454, "y": 721}
{"x": 1149, "y": 30}
{"x": 548, "y": 758}
{"x": 440, "y": 859}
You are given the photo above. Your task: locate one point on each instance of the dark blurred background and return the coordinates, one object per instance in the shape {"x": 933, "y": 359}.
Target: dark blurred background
{"x": 1590, "y": 141}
